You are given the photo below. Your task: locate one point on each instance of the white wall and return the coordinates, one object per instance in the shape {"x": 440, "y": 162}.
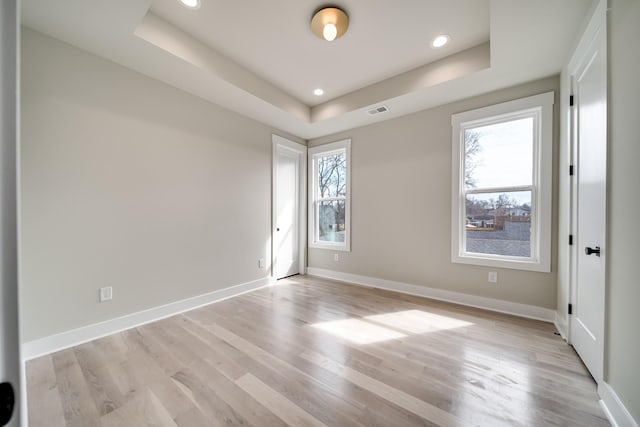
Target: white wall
{"x": 127, "y": 182}
{"x": 401, "y": 206}
{"x": 623, "y": 280}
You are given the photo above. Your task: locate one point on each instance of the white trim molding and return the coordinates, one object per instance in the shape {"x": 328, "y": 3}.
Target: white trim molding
{"x": 52, "y": 343}
{"x": 500, "y": 306}
{"x": 613, "y": 407}
{"x": 538, "y": 108}
{"x": 342, "y": 146}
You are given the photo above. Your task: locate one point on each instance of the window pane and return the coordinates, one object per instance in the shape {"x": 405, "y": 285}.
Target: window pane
{"x": 332, "y": 175}
{"x": 331, "y": 221}
{"x": 499, "y": 155}
{"x": 499, "y": 223}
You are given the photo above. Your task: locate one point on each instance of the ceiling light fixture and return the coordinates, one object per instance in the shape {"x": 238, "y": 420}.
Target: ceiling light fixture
{"x": 440, "y": 41}
{"x": 318, "y": 92}
{"x": 191, "y": 4}
{"x": 329, "y": 23}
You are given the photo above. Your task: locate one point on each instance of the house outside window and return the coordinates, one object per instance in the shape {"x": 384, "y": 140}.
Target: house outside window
{"x": 329, "y": 196}
{"x": 502, "y": 166}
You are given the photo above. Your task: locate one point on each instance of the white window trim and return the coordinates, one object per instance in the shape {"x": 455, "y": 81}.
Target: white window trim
{"x": 343, "y": 145}
{"x": 542, "y": 106}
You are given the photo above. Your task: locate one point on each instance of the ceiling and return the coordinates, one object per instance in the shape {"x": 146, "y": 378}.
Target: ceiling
{"x": 260, "y": 58}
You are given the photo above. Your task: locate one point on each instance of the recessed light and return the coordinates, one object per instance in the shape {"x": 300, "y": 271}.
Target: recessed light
{"x": 318, "y": 92}
{"x": 191, "y": 4}
{"x": 440, "y": 41}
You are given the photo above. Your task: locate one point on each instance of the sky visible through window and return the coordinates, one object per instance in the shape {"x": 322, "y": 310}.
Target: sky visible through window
{"x": 504, "y": 157}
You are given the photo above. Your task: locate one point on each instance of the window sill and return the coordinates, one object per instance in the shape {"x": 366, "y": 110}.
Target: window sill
{"x": 329, "y": 246}
{"x": 514, "y": 264}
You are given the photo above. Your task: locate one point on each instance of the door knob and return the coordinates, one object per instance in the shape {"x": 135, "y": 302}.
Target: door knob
{"x": 277, "y": 229}
{"x": 590, "y": 251}
{"x": 7, "y": 400}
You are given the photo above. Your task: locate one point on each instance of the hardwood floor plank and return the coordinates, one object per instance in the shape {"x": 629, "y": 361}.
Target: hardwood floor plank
{"x": 237, "y": 398}
{"x": 142, "y": 341}
{"x": 400, "y": 398}
{"x": 139, "y": 373}
{"x": 497, "y": 397}
{"x": 359, "y": 399}
{"x": 311, "y": 351}
{"x": 278, "y": 404}
{"x": 104, "y": 392}
{"x": 43, "y": 389}
{"x": 143, "y": 410}
{"x": 206, "y": 399}
{"x": 303, "y": 389}
{"x": 77, "y": 404}
{"x": 429, "y": 389}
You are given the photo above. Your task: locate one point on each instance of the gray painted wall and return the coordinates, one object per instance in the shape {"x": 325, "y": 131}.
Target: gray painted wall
{"x": 401, "y": 206}
{"x": 127, "y": 182}
{"x": 623, "y": 279}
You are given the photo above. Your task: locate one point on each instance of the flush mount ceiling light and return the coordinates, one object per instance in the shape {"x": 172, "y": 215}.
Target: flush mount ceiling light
{"x": 329, "y": 23}
{"x": 191, "y": 4}
{"x": 440, "y": 41}
{"x": 318, "y": 92}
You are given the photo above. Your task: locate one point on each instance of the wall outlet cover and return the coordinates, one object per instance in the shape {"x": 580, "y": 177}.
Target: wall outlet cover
{"x": 106, "y": 294}
{"x": 493, "y": 277}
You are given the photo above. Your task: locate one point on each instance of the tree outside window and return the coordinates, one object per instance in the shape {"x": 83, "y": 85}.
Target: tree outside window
{"x": 501, "y": 209}
{"x": 329, "y": 166}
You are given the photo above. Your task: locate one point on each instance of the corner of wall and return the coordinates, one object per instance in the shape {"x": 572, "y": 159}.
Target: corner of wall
{"x": 613, "y": 407}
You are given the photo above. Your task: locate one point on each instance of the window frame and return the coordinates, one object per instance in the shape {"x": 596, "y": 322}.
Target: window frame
{"x": 314, "y": 154}
{"x": 540, "y": 107}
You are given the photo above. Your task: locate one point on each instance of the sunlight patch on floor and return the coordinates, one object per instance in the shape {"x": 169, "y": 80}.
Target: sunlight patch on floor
{"x": 417, "y": 321}
{"x": 358, "y": 331}
{"x": 389, "y": 326}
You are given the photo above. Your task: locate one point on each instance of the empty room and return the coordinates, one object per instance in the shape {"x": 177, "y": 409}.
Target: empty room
{"x": 298, "y": 213}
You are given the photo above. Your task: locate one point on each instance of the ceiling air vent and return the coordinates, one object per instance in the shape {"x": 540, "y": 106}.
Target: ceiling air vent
{"x": 380, "y": 109}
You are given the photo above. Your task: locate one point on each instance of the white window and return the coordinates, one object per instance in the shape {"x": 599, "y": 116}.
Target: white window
{"x": 502, "y": 167}
{"x": 329, "y": 196}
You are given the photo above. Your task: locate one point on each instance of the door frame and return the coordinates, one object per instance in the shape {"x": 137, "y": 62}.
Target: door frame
{"x": 597, "y": 26}
{"x": 11, "y": 367}
{"x": 301, "y": 151}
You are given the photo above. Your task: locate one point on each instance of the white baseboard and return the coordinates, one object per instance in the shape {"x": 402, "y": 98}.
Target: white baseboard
{"x": 52, "y": 343}
{"x": 561, "y": 326}
{"x": 613, "y": 407}
{"x": 522, "y": 310}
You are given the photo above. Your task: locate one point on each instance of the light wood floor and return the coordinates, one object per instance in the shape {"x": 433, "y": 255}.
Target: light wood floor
{"x": 311, "y": 352}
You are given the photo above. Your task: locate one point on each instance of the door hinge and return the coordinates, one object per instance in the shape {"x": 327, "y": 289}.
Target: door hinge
{"x": 570, "y": 100}
{"x": 570, "y": 309}
{"x": 571, "y": 170}
{"x": 570, "y": 239}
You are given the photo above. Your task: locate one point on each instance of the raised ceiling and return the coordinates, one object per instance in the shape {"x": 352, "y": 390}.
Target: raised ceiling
{"x": 273, "y": 39}
{"x": 260, "y": 58}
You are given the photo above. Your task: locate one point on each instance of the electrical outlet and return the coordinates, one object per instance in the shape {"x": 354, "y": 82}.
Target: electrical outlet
{"x": 106, "y": 294}
{"x": 261, "y": 263}
{"x": 336, "y": 257}
{"x": 493, "y": 277}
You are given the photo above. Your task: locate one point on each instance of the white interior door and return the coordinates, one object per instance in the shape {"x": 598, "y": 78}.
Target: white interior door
{"x": 288, "y": 202}
{"x": 9, "y": 341}
{"x": 590, "y": 139}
